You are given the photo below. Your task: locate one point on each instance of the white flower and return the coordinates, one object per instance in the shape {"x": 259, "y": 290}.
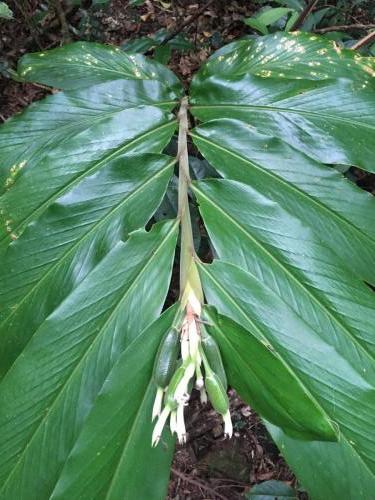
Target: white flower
{"x": 181, "y": 430}
{"x": 158, "y": 429}
{"x": 184, "y": 342}
{"x": 194, "y": 339}
{"x": 156, "y": 410}
{"x": 173, "y": 422}
{"x": 203, "y": 396}
{"x": 228, "y": 427}
{"x": 181, "y": 393}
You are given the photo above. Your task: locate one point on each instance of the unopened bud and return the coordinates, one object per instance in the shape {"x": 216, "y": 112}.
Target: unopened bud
{"x": 181, "y": 430}
{"x": 199, "y": 384}
{"x": 156, "y": 410}
{"x": 182, "y": 388}
{"x": 203, "y": 396}
{"x": 228, "y": 427}
{"x": 158, "y": 429}
{"x": 172, "y": 422}
{"x": 216, "y": 393}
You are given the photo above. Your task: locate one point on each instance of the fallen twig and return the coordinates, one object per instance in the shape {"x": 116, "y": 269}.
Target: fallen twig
{"x": 345, "y": 27}
{"x": 364, "y": 41}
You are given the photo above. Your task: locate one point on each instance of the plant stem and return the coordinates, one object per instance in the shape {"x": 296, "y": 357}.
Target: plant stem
{"x": 189, "y": 277}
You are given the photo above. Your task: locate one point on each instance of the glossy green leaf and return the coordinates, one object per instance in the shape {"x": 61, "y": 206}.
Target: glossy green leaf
{"x": 271, "y": 102}
{"x": 112, "y": 457}
{"x": 326, "y": 470}
{"x": 334, "y": 369}
{"x": 324, "y": 200}
{"x": 58, "y": 141}
{"x": 297, "y": 87}
{"x": 76, "y": 232}
{"x": 47, "y": 394}
{"x": 253, "y": 232}
{"x": 255, "y": 368}
{"x": 82, "y": 64}
{"x": 277, "y": 52}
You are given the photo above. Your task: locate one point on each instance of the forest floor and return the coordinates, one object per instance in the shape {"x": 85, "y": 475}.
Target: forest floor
{"x": 208, "y": 467}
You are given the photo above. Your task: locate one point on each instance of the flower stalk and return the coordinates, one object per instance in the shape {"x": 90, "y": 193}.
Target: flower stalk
{"x": 174, "y": 391}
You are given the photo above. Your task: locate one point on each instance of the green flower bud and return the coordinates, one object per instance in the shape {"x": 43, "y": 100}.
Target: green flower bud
{"x": 212, "y": 352}
{"x": 216, "y": 393}
{"x": 166, "y": 358}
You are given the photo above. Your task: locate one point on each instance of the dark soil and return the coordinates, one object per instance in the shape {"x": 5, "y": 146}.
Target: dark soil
{"x": 208, "y": 467}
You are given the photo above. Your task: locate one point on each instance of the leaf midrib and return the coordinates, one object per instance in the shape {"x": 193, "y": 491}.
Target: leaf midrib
{"x": 279, "y": 264}
{"x": 153, "y": 253}
{"x": 43, "y": 206}
{"x": 286, "y": 110}
{"x": 289, "y": 185}
{"x": 244, "y": 314}
{"x": 97, "y": 224}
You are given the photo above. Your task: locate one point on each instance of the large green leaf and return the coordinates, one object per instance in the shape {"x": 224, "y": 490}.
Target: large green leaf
{"x": 49, "y": 390}
{"x": 112, "y": 457}
{"x": 326, "y": 470}
{"x": 82, "y": 64}
{"x": 341, "y": 213}
{"x": 58, "y": 250}
{"x": 300, "y": 88}
{"x": 58, "y": 141}
{"x": 276, "y": 249}
{"x": 294, "y": 54}
{"x": 255, "y": 233}
{"x": 255, "y": 367}
{"x": 61, "y": 139}
{"x": 272, "y": 101}
{"x": 336, "y": 371}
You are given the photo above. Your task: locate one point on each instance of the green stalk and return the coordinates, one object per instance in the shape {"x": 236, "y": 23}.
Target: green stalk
{"x": 189, "y": 277}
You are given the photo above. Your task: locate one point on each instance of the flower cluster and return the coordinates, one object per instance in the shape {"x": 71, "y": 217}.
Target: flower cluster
{"x": 174, "y": 389}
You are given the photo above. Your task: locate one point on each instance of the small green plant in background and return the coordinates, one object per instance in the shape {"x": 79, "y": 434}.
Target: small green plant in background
{"x": 94, "y": 368}
{"x": 278, "y": 17}
{"x": 310, "y": 16}
{"x": 5, "y": 11}
{"x": 159, "y": 43}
